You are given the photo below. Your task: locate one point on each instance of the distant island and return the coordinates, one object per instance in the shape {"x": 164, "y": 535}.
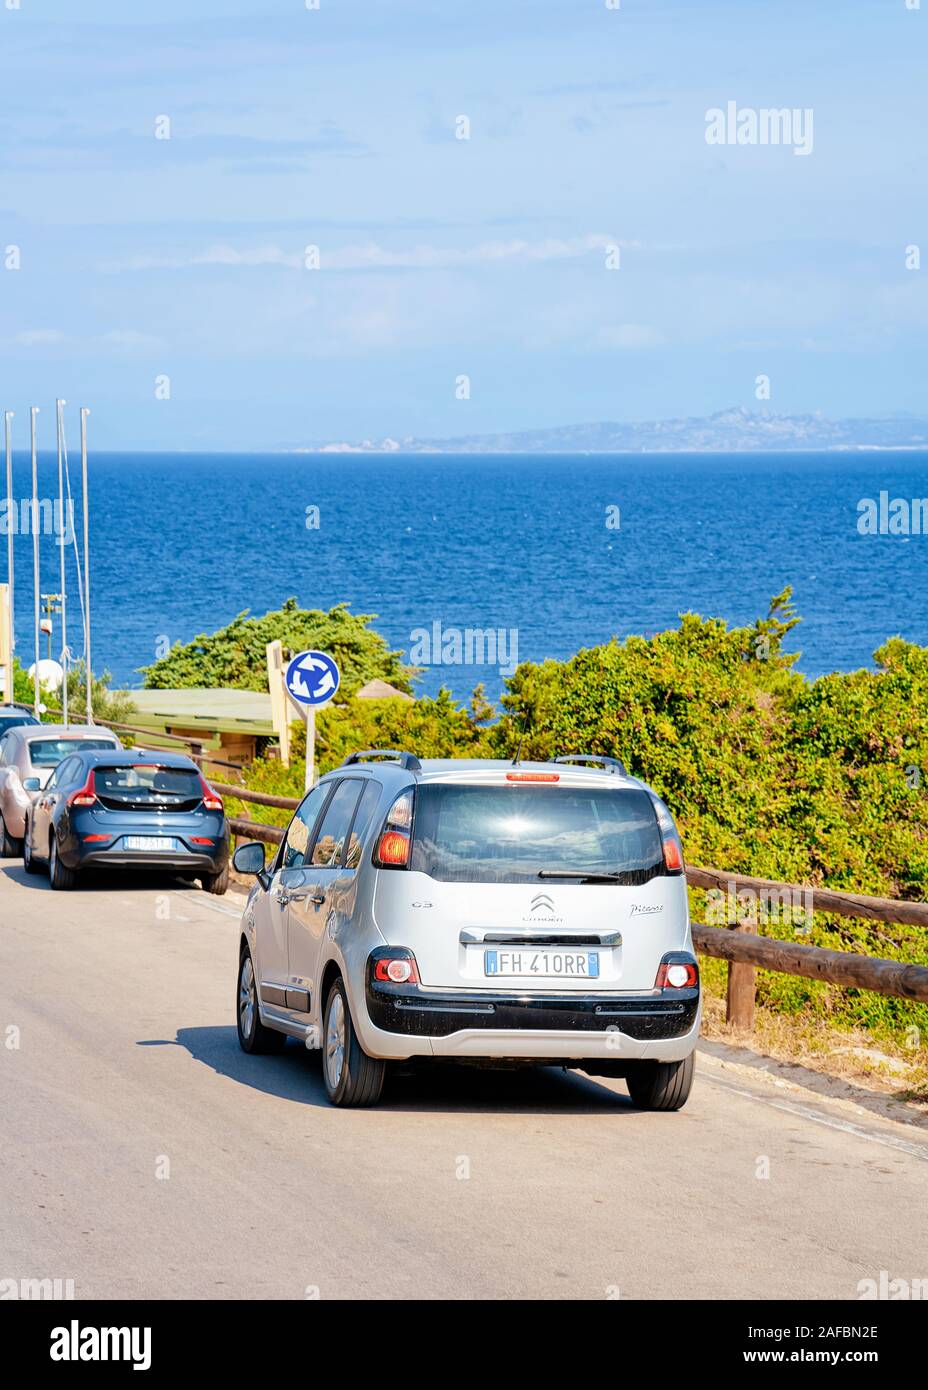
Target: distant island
{"x": 728, "y": 431}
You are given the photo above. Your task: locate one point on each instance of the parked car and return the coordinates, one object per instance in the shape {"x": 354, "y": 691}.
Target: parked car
{"x": 11, "y": 716}
{"x": 517, "y": 913}
{"x": 29, "y": 754}
{"x": 127, "y": 809}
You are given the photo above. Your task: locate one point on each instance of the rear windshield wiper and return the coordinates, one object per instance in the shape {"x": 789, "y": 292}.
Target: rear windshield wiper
{"x": 582, "y": 875}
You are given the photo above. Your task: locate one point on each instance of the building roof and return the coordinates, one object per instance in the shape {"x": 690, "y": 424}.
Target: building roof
{"x": 381, "y": 690}
{"x": 210, "y": 708}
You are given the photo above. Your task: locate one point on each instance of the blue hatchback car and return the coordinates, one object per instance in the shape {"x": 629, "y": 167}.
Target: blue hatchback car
{"x": 128, "y": 808}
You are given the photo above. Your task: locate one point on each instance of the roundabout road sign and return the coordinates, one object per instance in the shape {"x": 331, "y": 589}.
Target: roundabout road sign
{"x": 312, "y": 678}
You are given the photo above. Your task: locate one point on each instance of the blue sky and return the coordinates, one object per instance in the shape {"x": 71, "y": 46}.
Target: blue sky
{"x": 439, "y": 257}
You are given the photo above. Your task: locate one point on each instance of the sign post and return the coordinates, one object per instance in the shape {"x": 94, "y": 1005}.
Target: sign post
{"x": 279, "y": 708}
{"x": 312, "y": 679}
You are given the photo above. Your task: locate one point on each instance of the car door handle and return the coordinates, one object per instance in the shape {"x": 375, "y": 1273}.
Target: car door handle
{"x": 290, "y": 895}
{"x": 318, "y": 898}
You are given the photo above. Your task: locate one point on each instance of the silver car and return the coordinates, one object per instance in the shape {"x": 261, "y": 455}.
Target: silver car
{"x": 29, "y": 754}
{"x": 510, "y": 913}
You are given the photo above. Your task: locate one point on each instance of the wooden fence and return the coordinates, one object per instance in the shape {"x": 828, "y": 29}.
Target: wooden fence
{"x": 745, "y": 951}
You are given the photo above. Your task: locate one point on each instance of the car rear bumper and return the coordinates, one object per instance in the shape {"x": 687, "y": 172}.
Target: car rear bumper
{"x": 77, "y": 854}
{"x": 408, "y": 1022}
{"x": 188, "y": 863}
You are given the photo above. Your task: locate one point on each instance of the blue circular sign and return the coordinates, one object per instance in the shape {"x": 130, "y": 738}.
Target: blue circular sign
{"x": 312, "y": 678}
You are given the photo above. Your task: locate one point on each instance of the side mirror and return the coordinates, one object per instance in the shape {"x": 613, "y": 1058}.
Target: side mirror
{"x": 248, "y": 859}
{"x": 31, "y": 784}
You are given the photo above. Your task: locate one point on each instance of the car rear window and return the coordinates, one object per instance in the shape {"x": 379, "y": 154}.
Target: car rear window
{"x": 141, "y": 785}
{"x": 509, "y": 834}
{"x": 49, "y": 752}
{"x": 14, "y": 721}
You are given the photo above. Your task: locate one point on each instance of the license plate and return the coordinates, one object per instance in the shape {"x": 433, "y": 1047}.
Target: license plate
{"x": 583, "y": 965}
{"x": 148, "y": 842}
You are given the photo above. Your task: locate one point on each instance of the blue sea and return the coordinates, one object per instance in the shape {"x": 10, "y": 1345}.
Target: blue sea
{"x": 180, "y": 543}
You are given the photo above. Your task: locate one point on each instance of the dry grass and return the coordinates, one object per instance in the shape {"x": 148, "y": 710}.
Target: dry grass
{"x": 810, "y": 1042}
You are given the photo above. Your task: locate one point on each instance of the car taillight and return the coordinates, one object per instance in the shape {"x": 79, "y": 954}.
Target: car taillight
{"x": 393, "y": 965}
{"x": 393, "y": 849}
{"x": 533, "y": 776}
{"x": 212, "y": 801}
{"x": 673, "y": 856}
{"x": 87, "y": 794}
{"x": 677, "y": 975}
{"x": 398, "y": 970}
{"x": 670, "y": 838}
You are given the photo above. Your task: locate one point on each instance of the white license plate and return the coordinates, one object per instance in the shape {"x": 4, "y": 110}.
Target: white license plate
{"x": 582, "y": 965}
{"x": 148, "y": 842}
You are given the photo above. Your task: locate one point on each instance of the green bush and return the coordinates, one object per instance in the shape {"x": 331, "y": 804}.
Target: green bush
{"x": 818, "y": 782}
{"x": 236, "y": 655}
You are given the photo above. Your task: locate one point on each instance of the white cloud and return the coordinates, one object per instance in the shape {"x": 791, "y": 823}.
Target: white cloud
{"x": 372, "y": 256}
{"x": 629, "y": 335}
{"x": 41, "y": 337}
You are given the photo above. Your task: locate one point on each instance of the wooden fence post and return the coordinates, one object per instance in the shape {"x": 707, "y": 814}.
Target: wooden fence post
{"x": 739, "y": 1000}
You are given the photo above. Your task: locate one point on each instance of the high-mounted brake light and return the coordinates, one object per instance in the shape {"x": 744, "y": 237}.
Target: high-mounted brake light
{"x": 533, "y": 776}
{"x": 393, "y": 848}
{"x": 211, "y": 800}
{"x": 87, "y": 794}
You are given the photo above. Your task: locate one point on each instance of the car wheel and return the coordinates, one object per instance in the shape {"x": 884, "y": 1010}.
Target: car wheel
{"x": 660, "y": 1085}
{"x": 9, "y": 848}
{"x": 351, "y": 1077}
{"x": 60, "y": 876}
{"x": 216, "y": 883}
{"x": 30, "y": 863}
{"x": 252, "y": 1034}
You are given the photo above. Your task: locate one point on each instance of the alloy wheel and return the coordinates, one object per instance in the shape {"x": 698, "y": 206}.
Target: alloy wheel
{"x": 335, "y": 1041}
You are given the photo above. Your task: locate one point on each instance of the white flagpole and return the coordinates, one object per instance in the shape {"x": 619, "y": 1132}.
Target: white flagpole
{"x": 7, "y": 418}
{"x": 84, "y": 413}
{"x": 59, "y": 407}
{"x": 34, "y": 410}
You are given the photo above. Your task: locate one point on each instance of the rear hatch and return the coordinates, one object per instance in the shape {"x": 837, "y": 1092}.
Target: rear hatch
{"x": 151, "y": 799}
{"x": 552, "y": 886}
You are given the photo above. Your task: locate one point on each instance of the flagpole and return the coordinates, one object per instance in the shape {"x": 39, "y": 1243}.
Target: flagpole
{"x": 87, "y": 672}
{"x": 34, "y": 410}
{"x": 7, "y": 418}
{"x": 59, "y": 407}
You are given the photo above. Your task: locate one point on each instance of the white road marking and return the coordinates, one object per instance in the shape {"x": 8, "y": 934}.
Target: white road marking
{"x": 888, "y": 1141}
{"x": 203, "y": 901}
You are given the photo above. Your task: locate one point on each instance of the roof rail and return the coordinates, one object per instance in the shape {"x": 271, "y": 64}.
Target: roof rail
{"x": 612, "y": 765}
{"x": 407, "y": 760}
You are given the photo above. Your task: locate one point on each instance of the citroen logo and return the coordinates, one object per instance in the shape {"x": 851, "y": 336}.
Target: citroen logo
{"x": 542, "y": 903}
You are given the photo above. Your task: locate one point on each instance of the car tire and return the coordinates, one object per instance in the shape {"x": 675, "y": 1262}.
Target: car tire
{"x": 216, "y": 883}
{"x": 253, "y": 1036}
{"x": 9, "y": 848}
{"x": 60, "y": 876}
{"x": 30, "y": 863}
{"x": 350, "y": 1076}
{"x": 660, "y": 1085}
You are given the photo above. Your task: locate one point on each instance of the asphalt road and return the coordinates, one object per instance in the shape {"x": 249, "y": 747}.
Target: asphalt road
{"x": 144, "y": 1155}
